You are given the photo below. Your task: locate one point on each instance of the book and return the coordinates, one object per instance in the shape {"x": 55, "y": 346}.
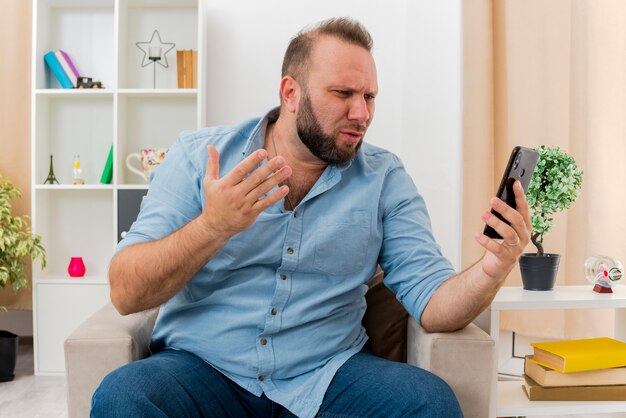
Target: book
{"x": 188, "y": 67}
{"x": 194, "y": 69}
{"x": 107, "y": 172}
{"x": 180, "y": 69}
{"x": 68, "y": 66}
{"x": 54, "y": 65}
{"x": 549, "y": 378}
{"x": 573, "y": 393}
{"x": 579, "y": 355}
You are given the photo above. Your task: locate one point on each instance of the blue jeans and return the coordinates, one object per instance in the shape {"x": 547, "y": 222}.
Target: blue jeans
{"x": 179, "y": 384}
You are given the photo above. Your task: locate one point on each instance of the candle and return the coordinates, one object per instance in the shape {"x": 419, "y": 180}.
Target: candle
{"x": 154, "y": 52}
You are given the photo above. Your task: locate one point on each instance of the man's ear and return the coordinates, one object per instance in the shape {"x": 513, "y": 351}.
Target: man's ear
{"x": 290, "y": 93}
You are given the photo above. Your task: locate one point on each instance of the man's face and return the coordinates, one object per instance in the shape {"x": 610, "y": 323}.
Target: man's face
{"x": 323, "y": 146}
{"x": 337, "y": 101}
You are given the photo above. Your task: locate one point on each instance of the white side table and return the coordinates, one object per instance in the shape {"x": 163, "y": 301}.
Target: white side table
{"x": 509, "y": 398}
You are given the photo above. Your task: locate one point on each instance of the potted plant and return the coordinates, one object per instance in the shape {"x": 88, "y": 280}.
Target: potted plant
{"x": 17, "y": 244}
{"x": 554, "y": 187}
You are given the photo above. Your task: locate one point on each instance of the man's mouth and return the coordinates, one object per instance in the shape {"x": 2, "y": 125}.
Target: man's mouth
{"x": 351, "y": 135}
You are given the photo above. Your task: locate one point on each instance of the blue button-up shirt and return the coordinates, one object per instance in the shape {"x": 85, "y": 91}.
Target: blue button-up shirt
{"x": 278, "y": 310}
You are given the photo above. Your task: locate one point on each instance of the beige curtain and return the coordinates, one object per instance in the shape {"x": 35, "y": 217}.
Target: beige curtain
{"x": 549, "y": 72}
{"x": 15, "y": 32}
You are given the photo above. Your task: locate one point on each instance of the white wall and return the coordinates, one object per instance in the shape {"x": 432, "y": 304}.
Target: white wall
{"x": 417, "y": 46}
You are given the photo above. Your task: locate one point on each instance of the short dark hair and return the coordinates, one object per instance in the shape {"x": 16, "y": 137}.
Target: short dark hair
{"x": 295, "y": 62}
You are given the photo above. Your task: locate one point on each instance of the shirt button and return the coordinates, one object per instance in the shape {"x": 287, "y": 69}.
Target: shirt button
{"x": 283, "y": 277}
{"x": 274, "y": 311}
{"x": 263, "y": 341}
{"x": 261, "y": 378}
{"x": 295, "y": 214}
{"x": 289, "y": 250}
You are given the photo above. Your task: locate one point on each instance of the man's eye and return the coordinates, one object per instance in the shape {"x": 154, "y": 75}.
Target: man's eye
{"x": 370, "y": 97}
{"x": 342, "y": 92}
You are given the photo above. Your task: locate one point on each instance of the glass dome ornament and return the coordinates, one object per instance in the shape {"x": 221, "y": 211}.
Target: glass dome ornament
{"x": 604, "y": 272}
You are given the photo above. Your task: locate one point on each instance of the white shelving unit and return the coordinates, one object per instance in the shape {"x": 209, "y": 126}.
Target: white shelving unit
{"x": 82, "y": 220}
{"x": 510, "y": 399}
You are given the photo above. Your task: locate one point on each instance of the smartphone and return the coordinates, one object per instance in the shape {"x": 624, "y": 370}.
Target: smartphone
{"x": 521, "y": 166}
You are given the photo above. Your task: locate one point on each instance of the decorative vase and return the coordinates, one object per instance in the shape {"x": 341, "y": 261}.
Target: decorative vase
{"x": 76, "y": 267}
{"x": 8, "y": 355}
{"x": 539, "y": 272}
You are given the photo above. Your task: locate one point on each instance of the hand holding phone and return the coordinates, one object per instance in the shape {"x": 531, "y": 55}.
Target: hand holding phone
{"x": 521, "y": 166}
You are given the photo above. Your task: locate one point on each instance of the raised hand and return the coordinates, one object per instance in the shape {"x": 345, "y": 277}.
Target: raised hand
{"x": 461, "y": 298}
{"x": 234, "y": 201}
{"x": 502, "y": 255}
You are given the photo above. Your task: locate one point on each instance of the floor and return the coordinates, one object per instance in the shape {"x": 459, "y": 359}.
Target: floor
{"x": 28, "y": 396}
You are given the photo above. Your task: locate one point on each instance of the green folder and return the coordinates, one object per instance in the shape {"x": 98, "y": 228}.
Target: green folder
{"x": 107, "y": 173}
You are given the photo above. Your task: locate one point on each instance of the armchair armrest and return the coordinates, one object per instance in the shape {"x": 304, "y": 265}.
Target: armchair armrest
{"x": 104, "y": 342}
{"x": 464, "y": 359}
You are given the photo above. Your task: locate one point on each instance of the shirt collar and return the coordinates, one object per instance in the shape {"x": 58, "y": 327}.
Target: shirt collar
{"x": 257, "y": 136}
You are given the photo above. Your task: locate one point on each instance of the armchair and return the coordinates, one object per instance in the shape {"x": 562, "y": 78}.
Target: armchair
{"x": 464, "y": 359}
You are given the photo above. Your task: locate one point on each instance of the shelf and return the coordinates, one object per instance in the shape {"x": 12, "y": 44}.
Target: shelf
{"x": 562, "y": 297}
{"x": 509, "y": 397}
{"x": 512, "y": 401}
{"x": 84, "y": 30}
{"x": 74, "y": 187}
{"x": 133, "y": 186}
{"x": 69, "y": 124}
{"x": 158, "y": 92}
{"x": 60, "y": 92}
{"x": 73, "y": 92}
{"x": 88, "y": 279}
{"x": 177, "y": 22}
{"x": 87, "y": 187}
{"x": 128, "y": 113}
{"x": 74, "y": 223}
{"x": 162, "y": 3}
{"x": 79, "y": 4}
{"x": 150, "y": 121}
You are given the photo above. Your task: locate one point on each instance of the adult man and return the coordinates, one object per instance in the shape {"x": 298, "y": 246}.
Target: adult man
{"x": 260, "y": 268}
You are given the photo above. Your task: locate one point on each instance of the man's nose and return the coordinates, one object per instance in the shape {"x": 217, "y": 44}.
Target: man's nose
{"x": 359, "y": 109}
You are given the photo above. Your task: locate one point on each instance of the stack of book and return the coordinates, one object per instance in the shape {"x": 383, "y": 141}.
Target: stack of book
{"x": 63, "y": 68}
{"x": 187, "y": 68}
{"x": 592, "y": 369}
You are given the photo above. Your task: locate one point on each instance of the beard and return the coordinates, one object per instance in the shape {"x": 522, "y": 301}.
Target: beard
{"x": 320, "y": 144}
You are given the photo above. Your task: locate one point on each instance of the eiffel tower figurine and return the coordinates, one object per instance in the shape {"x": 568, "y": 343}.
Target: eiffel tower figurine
{"x": 51, "y": 179}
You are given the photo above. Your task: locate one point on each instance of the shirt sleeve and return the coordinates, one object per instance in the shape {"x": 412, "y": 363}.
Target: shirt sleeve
{"x": 410, "y": 257}
{"x": 173, "y": 200}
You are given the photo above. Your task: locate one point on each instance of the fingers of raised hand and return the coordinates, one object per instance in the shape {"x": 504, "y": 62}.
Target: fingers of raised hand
{"x": 213, "y": 164}
{"x": 267, "y": 201}
{"x": 244, "y": 168}
{"x": 249, "y": 195}
{"x": 271, "y": 181}
{"x": 514, "y": 235}
{"x": 522, "y": 205}
{"x": 488, "y": 244}
{"x": 266, "y": 172}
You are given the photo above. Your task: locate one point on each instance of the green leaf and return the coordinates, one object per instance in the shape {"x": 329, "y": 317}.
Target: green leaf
{"x": 17, "y": 242}
{"x": 555, "y": 185}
